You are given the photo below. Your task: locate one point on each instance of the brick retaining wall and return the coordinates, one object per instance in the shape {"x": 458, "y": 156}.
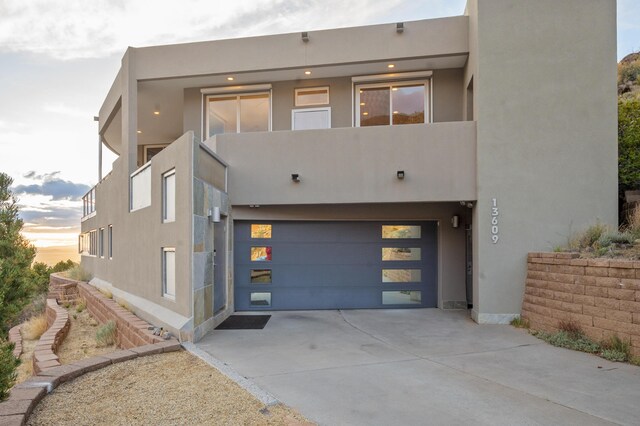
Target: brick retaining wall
{"x": 44, "y": 353}
{"x": 601, "y": 295}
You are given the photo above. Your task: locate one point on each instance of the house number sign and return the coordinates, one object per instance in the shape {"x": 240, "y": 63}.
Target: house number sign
{"x": 495, "y": 236}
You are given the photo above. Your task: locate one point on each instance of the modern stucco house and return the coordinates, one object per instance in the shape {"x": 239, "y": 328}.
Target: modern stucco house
{"x": 389, "y": 166}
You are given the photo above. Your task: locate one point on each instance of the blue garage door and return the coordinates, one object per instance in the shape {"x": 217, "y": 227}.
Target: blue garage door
{"x": 335, "y": 265}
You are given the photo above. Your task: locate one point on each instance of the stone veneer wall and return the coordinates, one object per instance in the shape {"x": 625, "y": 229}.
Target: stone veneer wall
{"x": 601, "y": 295}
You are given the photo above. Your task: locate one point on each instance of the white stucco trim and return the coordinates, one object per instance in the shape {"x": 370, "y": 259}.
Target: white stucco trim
{"x": 481, "y": 318}
{"x": 235, "y": 89}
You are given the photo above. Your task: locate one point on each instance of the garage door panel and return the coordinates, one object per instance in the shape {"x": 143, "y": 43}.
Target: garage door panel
{"x": 331, "y": 265}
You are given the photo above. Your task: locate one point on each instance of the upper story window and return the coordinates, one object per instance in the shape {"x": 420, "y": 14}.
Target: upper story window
{"x": 312, "y": 96}
{"x": 250, "y": 112}
{"x": 392, "y": 103}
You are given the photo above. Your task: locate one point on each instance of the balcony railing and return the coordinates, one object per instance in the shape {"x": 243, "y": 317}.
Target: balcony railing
{"x": 89, "y": 203}
{"x": 141, "y": 188}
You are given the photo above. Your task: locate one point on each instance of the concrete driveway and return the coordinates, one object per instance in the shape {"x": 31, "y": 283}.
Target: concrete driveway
{"x": 425, "y": 366}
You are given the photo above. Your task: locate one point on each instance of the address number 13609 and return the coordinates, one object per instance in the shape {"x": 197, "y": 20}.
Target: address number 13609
{"x": 495, "y": 234}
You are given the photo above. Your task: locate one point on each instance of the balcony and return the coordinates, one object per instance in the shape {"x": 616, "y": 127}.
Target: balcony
{"x": 352, "y": 165}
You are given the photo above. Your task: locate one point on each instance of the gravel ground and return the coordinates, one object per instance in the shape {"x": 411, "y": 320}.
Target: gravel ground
{"x": 167, "y": 389}
{"x": 81, "y": 342}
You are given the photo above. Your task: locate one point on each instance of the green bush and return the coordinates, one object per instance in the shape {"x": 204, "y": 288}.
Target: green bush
{"x": 520, "y": 322}
{"x": 8, "y": 365}
{"x": 589, "y": 237}
{"x": 79, "y": 274}
{"x": 616, "y": 349}
{"x": 106, "y": 334}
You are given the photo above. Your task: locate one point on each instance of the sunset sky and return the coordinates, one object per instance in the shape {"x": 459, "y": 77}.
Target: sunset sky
{"x": 58, "y": 59}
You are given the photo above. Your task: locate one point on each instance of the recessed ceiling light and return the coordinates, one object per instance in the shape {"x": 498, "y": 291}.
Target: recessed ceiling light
{"x": 395, "y": 89}
{"x": 395, "y": 112}
{"x": 139, "y": 131}
{"x": 156, "y": 112}
{"x": 362, "y": 104}
{"x": 365, "y": 113}
{"x": 307, "y": 72}
{"x": 230, "y": 78}
{"x": 391, "y": 66}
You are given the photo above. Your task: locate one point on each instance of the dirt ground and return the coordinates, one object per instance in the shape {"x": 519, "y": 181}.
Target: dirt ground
{"x": 166, "y": 389}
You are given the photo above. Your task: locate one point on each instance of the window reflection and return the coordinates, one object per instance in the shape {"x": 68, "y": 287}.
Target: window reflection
{"x": 374, "y": 106}
{"x": 260, "y": 254}
{"x": 401, "y": 275}
{"x": 260, "y": 231}
{"x": 408, "y": 104}
{"x": 261, "y": 299}
{"x": 261, "y": 276}
{"x": 401, "y": 231}
{"x": 401, "y": 253}
{"x": 402, "y": 297}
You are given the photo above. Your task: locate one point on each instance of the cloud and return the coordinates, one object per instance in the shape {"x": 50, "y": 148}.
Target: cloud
{"x": 71, "y": 29}
{"x": 51, "y": 216}
{"x": 56, "y": 188}
{"x": 65, "y": 110}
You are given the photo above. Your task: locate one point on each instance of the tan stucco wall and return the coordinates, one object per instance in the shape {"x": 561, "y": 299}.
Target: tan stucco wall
{"x": 352, "y": 165}
{"x": 545, "y": 97}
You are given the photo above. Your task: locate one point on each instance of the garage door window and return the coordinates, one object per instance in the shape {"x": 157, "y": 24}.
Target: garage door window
{"x": 401, "y": 253}
{"x": 261, "y": 299}
{"x": 401, "y": 275}
{"x": 261, "y": 276}
{"x": 261, "y": 254}
{"x": 260, "y": 231}
{"x": 401, "y": 232}
{"x": 402, "y": 297}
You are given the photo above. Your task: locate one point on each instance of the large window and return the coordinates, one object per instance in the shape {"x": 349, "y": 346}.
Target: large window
{"x": 169, "y": 196}
{"x": 249, "y": 112}
{"x": 393, "y": 103}
{"x": 169, "y": 272}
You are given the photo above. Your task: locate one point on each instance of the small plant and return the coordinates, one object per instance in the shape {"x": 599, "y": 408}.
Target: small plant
{"x": 615, "y": 349}
{"x": 106, "y": 293}
{"x": 588, "y": 237}
{"x": 78, "y": 273}
{"x": 572, "y": 328}
{"x": 563, "y": 339}
{"x": 520, "y": 322}
{"x": 8, "y": 365}
{"x": 81, "y": 305}
{"x": 633, "y": 227}
{"x": 124, "y": 305}
{"x": 35, "y": 327}
{"x": 75, "y": 316}
{"x": 67, "y": 305}
{"x": 106, "y": 334}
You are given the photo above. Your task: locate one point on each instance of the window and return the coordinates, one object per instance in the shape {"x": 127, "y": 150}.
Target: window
{"x": 151, "y": 151}
{"x": 260, "y": 231}
{"x": 141, "y": 188}
{"x": 101, "y": 242}
{"x": 169, "y": 272}
{"x": 110, "y": 236}
{"x": 261, "y": 276}
{"x": 88, "y": 243}
{"x": 401, "y": 231}
{"x": 250, "y": 112}
{"x": 401, "y": 253}
{"x": 311, "y": 118}
{"x": 260, "y": 254}
{"x": 402, "y": 297}
{"x": 393, "y": 103}
{"x": 310, "y": 96}
{"x": 261, "y": 299}
{"x": 169, "y": 196}
{"x": 401, "y": 275}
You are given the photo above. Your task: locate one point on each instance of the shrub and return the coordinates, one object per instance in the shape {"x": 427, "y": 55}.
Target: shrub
{"x": 106, "y": 334}
{"x": 81, "y": 305}
{"x": 106, "y": 292}
{"x": 610, "y": 238}
{"x": 8, "y": 365}
{"x": 35, "y": 327}
{"x": 78, "y": 273}
{"x": 588, "y": 237}
{"x": 563, "y": 339}
{"x": 571, "y": 328}
{"x": 616, "y": 349}
{"x": 633, "y": 220}
{"x": 520, "y": 322}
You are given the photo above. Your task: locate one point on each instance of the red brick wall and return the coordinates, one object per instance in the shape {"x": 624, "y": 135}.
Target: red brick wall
{"x": 601, "y": 295}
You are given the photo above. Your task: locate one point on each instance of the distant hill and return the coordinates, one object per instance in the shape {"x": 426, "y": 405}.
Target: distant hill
{"x": 629, "y": 76}
{"x": 53, "y": 255}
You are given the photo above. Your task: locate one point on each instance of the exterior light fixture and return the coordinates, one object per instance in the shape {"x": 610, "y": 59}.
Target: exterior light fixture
{"x": 139, "y": 131}
{"x": 455, "y": 221}
{"x": 214, "y": 215}
{"x": 230, "y": 78}
{"x": 362, "y": 104}
{"x": 295, "y": 177}
{"x": 156, "y": 112}
{"x": 395, "y": 112}
{"x": 391, "y": 66}
{"x": 400, "y": 174}
{"x": 305, "y": 37}
{"x": 365, "y": 113}
{"x": 400, "y": 27}
{"x": 307, "y": 73}
{"x": 96, "y": 118}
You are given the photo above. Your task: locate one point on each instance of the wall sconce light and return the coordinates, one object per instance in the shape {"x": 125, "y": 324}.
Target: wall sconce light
{"x": 400, "y": 174}
{"x": 254, "y": 206}
{"x": 467, "y": 204}
{"x": 214, "y": 215}
{"x": 455, "y": 221}
{"x": 400, "y": 27}
{"x": 305, "y": 37}
{"x": 295, "y": 177}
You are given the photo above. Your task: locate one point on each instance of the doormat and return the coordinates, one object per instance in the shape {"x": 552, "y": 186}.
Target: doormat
{"x": 244, "y": 322}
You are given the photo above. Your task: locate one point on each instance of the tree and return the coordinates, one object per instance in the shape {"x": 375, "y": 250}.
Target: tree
{"x": 16, "y": 255}
{"x": 628, "y": 144}
{"x": 8, "y": 365}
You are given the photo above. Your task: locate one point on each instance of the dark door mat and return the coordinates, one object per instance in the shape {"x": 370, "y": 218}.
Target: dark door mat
{"x": 244, "y": 322}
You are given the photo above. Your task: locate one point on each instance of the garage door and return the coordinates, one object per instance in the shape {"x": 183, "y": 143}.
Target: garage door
{"x": 334, "y": 265}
